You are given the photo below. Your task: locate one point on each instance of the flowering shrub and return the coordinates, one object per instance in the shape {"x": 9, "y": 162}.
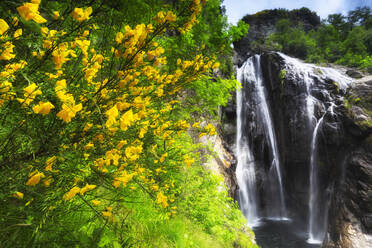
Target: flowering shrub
{"x": 91, "y": 115}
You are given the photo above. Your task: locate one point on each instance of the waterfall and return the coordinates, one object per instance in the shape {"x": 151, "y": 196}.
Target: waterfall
{"x": 316, "y": 231}
{"x": 309, "y": 73}
{"x": 250, "y": 75}
{"x": 245, "y": 170}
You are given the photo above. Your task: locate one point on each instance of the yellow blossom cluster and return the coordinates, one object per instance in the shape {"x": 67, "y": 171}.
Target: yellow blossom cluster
{"x": 43, "y": 108}
{"x": 30, "y": 11}
{"x": 31, "y": 92}
{"x": 162, "y": 17}
{"x": 35, "y": 178}
{"x": 7, "y": 75}
{"x": 131, "y": 40}
{"x": 188, "y": 160}
{"x": 210, "y": 129}
{"x": 7, "y": 51}
{"x": 69, "y": 108}
{"x": 80, "y": 14}
{"x": 162, "y": 199}
{"x": 195, "y": 8}
{"x": 128, "y": 135}
{"x": 3, "y": 26}
{"x": 75, "y": 190}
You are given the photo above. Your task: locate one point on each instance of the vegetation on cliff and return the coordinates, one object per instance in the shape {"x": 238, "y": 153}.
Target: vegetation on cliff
{"x": 97, "y": 100}
{"x": 341, "y": 39}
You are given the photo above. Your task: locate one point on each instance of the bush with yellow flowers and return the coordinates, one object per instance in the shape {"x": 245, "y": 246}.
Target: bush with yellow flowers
{"x": 95, "y": 126}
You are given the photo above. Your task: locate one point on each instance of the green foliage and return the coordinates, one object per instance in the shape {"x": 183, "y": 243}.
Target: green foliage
{"x": 342, "y": 39}
{"x": 282, "y": 74}
{"x": 239, "y": 30}
{"x": 209, "y": 94}
{"x": 164, "y": 198}
{"x": 292, "y": 40}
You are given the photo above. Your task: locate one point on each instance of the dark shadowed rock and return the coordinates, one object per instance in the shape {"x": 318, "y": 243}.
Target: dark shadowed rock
{"x": 354, "y": 73}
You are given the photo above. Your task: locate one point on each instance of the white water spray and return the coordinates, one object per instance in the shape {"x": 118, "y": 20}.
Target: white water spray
{"x": 251, "y": 74}
{"x": 245, "y": 170}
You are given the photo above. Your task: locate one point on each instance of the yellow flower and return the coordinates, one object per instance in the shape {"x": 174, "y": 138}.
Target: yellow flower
{"x": 126, "y": 120}
{"x": 18, "y": 195}
{"x": 44, "y": 31}
{"x": 162, "y": 158}
{"x": 3, "y": 26}
{"x": 124, "y": 178}
{"x": 17, "y": 33}
{"x": 31, "y": 92}
{"x": 81, "y": 15}
{"x": 32, "y": 89}
{"x": 68, "y": 112}
{"x": 35, "y": 178}
{"x": 106, "y": 213}
{"x": 60, "y": 55}
{"x": 119, "y": 37}
{"x": 69, "y": 195}
{"x": 47, "y": 182}
{"x": 7, "y": 53}
{"x": 50, "y": 162}
{"x": 188, "y": 160}
{"x": 29, "y": 11}
{"x": 87, "y": 127}
{"x": 216, "y": 65}
{"x": 111, "y": 115}
{"x": 88, "y": 146}
{"x": 202, "y": 134}
{"x": 170, "y": 17}
{"x": 86, "y": 188}
{"x": 121, "y": 144}
{"x": 133, "y": 152}
{"x": 43, "y": 108}
{"x": 210, "y": 129}
{"x": 162, "y": 200}
{"x": 15, "y": 21}
{"x": 196, "y": 125}
{"x": 96, "y": 202}
{"x": 56, "y": 15}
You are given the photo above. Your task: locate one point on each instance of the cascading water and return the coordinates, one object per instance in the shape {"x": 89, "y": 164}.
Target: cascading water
{"x": 245, "y": 171}
{"x": 273, "y": 117}
{"x": 318, "y": 207}
{"x": 316, "y": 231}
{"x": 250, "y": 75}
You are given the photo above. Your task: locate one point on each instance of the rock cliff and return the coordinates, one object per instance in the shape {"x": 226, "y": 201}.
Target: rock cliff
{"x": 344, "y": 144}
{"x": 263, "y": 24}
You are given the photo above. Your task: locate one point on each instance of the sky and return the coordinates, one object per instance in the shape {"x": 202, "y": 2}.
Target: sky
{"x": 236, "y": 9}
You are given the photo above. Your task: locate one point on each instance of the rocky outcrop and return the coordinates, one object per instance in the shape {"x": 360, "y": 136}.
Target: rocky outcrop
{"x": 221, "y": 162}
{"x": 350, "y": 222}
{"x": 262, "y": 25}
{"x": 344, "y": 144}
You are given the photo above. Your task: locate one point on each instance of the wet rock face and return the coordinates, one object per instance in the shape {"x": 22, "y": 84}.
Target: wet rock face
{"x": 287, "y": 93}
{"x": 359, "y": 178}
{"x": 350, "y": 221}
{"x": 344, "y": 145}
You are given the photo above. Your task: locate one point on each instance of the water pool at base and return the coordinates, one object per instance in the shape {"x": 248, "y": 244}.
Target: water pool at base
{"x": 282, "y": 234}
